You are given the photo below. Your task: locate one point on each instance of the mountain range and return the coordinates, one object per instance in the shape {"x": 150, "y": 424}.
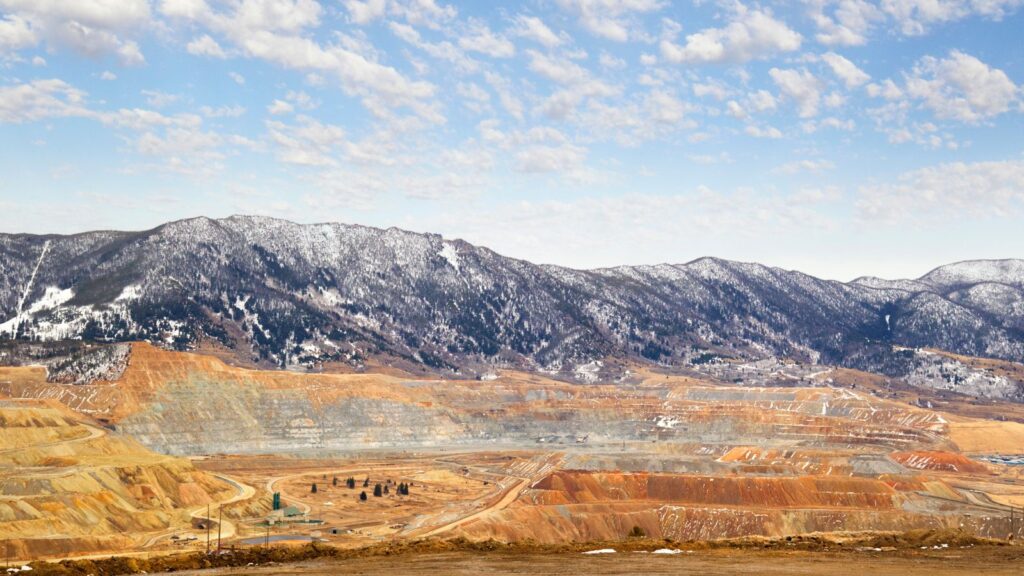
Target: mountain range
{"x": 276, "y": 293}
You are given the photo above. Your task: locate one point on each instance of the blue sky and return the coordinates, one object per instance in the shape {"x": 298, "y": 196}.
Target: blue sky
{"x": 840, "y": 138}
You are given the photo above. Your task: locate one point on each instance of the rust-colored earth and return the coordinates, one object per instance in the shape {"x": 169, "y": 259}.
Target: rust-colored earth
{"x": 518, "y": 458}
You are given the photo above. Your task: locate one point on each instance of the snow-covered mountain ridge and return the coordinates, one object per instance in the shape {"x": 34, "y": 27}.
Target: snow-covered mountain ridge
{"x": 285, "y": 294}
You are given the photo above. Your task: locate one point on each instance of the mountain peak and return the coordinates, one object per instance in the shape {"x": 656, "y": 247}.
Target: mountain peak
{"x": 960, "y": 274}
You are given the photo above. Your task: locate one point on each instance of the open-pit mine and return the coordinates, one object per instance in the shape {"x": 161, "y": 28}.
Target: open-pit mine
{"x": 178, "y": 452}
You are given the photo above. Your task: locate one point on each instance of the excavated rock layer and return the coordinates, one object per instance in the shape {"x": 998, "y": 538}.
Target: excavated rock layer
{"x": 567, "y": 487}
{"x": 184, "y": 403}
{"x": 580, "y": 506}
{"x": 940, "y": 461}
{"x": 70, "y": 487}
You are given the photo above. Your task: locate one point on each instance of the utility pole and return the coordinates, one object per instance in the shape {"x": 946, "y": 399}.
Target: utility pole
{"x": 220, "y": 522}
{"x": 1013, "y": 533}
{"x": 266, "y": 543}
{"x": 207, "y": 529}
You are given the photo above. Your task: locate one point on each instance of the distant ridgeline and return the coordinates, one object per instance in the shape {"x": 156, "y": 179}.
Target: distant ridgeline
{"x": 279, "y": 294}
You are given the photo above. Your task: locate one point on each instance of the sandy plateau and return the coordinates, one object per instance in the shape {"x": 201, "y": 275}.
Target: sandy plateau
{"x": 130, "y": 466}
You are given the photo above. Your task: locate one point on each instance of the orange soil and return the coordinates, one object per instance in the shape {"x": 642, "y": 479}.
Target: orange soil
{"x": 940, "y": 461}
{"x": 567, "y": 487}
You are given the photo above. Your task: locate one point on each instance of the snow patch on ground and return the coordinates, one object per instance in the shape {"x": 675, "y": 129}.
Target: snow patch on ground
{"x": 53, "y": 298}
{"x": 449, "y": 253}
{"x": 588, "y": 372}
{"x": 667, "y": 422}
{"x": 130, "y": 292}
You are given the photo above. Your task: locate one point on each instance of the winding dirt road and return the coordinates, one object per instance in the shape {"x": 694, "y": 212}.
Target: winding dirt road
{"x": 228, "y": 528}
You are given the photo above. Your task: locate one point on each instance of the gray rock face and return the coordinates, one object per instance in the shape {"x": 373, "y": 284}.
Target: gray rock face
{"x": 288, "y": 295}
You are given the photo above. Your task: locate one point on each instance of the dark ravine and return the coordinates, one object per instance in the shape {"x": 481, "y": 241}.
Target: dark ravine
{"x": 289, "y": 295}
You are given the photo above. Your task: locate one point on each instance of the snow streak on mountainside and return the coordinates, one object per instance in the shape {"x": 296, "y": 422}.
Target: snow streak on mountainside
{"x": 286, "y": 294}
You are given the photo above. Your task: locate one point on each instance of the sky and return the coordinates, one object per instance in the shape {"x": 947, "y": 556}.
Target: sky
{"x": 837, "y": 137}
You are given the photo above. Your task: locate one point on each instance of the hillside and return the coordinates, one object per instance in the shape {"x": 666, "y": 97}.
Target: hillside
{"x": 272, "y": 293}
{"x": 69, "y": 486}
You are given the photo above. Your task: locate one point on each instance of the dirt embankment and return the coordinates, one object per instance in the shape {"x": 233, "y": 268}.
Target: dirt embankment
{"x": 940, "y": 462}
{"x": 568, "y": 487}
{"x": 859, "y": 547}
{"x": 67, "y": 486}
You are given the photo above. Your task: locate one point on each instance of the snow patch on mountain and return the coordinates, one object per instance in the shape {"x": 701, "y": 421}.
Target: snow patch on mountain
{"x": 450, "y": 254}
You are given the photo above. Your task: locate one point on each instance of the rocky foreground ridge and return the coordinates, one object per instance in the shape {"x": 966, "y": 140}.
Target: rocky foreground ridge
{"x": 276, "y": 293}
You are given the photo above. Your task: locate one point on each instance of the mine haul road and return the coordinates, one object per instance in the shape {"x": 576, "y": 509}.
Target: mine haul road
{"x": 228, "y": 528}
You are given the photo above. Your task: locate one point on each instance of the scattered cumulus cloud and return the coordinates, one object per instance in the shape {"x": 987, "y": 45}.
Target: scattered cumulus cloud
{"x": 93, "y": 28}
{"x": 991, "y": 189}
{"x": 205, "y": 46}
{"x": 848, "y": 72}
{"x": 750, "y": 35}
{"x": 799, "y": 86}
{"x": 961, "y": 87}
{"x": 613, "y": 20}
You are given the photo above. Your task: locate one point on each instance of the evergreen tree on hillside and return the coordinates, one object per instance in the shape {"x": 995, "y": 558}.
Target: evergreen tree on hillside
{"x": 377, "y": 490}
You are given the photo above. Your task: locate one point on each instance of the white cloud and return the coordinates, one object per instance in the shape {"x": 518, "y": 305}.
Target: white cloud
{"x": 480, "y": 38}
{"x": 158, "y": 99}
{"x": 555, "y": 69}
{"x": 611, "y": 19}
{"x": 712, "y": 88}
{"x": 41, "y": 99}
{"x": 946, "y": 191}
{"x": 847, "y": 71}
{"x": 535, "y": 29}
{"x": 763, "y": 132}
{"x": 278, "y": 107}
{"x": 887, "y": 89}
{"x": 915, "y": 17}
{"x": 15, "y": 34}
{"x": 275, "y": 31}
{"x": 177, "y": 143}
{"x": 233, "y": 111}
{"x": 205, "y": 46}
{"x": 811, "y": 166}
{"x": 709, "y": 159}
{"x": 423, "y": 12}
{"x": 800, "y": 86}
{"x": 108, "y": 75}
{"x": 640, "y": 118}
{"x": 579, "y": 84}
{"x": 961, "y": 87}
{"x": 751, "y": 35}
{"x": 559, "y": 158}
{"x": 837, "y": 124}
{"x": 610, "y": 62}
{"x": 237, "y": 78}
{"x": 506, "y": 95}
{"x": 762, "y": 101}
{"x": 307, "y": 143}
{"x": 444, "y": 50}
{"x": 472, "y": 91}
{"x": 364, "y": 12}
{"x": 850, "y": 22}
{"x": 93, "y": 28}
